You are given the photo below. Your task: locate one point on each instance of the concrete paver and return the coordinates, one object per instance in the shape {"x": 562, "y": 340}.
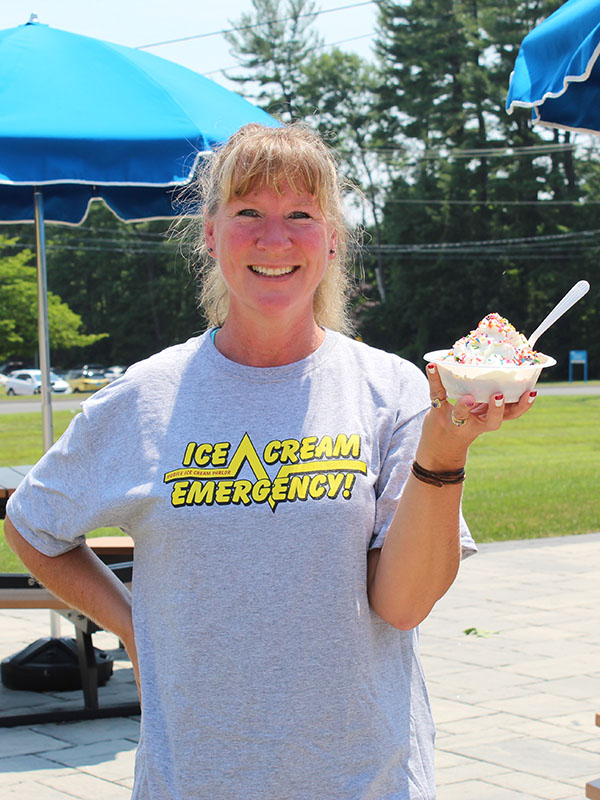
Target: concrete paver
{"x": 514, "y": 700}
{"x": 21, "y": 770}
{"x": 517, "y": 702}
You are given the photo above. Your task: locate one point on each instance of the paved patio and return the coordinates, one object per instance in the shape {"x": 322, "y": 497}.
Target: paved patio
{"x": 514, "y": 700}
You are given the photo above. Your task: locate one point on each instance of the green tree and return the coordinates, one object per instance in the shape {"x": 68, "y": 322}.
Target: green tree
{"x": 338, "y": 93}
{"x": 19, "y": 309}
{"x": 129, "y": 279}
{"x": 470, "y": 173}
{"x": 272, "y": 44}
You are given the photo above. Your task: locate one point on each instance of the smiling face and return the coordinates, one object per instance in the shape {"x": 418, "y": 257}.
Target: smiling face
{"x": 273, "y": 248}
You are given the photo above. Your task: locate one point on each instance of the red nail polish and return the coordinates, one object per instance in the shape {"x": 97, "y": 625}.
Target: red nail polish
{"x": 431, "y": 367}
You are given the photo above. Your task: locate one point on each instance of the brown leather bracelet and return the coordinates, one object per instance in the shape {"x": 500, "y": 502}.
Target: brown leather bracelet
{"x": 437, "y": 478}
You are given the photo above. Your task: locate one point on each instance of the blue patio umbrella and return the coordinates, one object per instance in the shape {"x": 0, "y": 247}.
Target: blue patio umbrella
{"x": 82, "y": 118}
{"x": 557, "y": 70}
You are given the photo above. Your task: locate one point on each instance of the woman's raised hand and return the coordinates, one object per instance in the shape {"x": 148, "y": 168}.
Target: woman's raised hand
{"x": 448, "y": 429}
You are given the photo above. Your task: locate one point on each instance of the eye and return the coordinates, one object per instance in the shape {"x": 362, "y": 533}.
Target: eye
{"x": 247, "y": 212}
{"x": 299, "y": 215}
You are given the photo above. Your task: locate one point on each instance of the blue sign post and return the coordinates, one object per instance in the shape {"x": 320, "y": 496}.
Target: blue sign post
{"x": 578, "y": 357}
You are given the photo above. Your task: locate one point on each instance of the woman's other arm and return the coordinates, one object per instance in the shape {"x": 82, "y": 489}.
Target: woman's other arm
{"x": 83, "y": 582}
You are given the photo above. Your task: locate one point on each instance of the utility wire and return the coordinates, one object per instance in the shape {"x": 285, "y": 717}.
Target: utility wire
{"x": 413, "y": 251}
{"x": 319, "y": 47}
{"x": 491, "y": 202}
{"x": 573, "y": 240}
{"x": 253, "y": 25}
{"x": 473, "y": 153}
{"x": 551, "y": 237}
{"x": 458, "y": 153}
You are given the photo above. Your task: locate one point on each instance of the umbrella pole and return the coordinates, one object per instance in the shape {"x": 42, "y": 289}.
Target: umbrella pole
{"x": 44, "y": 347}
{"x": 43, "y": 334}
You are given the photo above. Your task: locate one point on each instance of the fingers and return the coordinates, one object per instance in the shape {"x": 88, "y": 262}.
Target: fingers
{"x": 515, "y": 410}
{"x": 449, "y": 429}
{"x": 436, "y": 387}
{"x": 458, "y": 413}
{"x": 461, "y": 413}
{"x": 472, "y": 416}
{"x": 494, "y": 413}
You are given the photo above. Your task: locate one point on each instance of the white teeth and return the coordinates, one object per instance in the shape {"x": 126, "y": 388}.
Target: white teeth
{"x": 271, "y": 270}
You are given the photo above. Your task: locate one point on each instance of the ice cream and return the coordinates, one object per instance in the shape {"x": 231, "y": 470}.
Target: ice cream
{"x": 493, "y": 358}
{"x": 495, "y": 341}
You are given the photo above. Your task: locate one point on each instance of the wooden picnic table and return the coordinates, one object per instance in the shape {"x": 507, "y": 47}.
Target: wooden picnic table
{"x": 592, "y": 789}
{"x": 23, "y": 591}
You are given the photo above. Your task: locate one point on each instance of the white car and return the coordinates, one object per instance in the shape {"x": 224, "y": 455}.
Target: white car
{"x": 29, "y": 381}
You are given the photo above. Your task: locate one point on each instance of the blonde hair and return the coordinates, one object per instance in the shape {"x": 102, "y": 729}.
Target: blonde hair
{"x": 258, "y": 156}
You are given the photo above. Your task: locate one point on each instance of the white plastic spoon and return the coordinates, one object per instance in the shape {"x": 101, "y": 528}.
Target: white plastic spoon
{"x": 571, "y": 297}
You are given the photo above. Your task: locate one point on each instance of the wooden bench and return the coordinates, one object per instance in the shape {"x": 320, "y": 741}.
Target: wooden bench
{"x": 592, "y": 789}
{"x": 111, "y": 549}
{"x": 23, "y": 591}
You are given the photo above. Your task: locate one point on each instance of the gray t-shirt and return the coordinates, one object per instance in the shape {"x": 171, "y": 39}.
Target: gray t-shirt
{"x": 253, "y": 496}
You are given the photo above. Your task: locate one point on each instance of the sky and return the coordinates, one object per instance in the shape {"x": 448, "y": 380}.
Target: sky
{"x": 135, "y": 23}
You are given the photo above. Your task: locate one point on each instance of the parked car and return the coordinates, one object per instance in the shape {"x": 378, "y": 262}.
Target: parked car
{"x": 88, "y": 381}
{"x": 112, "y": 373}
{"x": 29, "y": 381}
{"x": 11, "y": 366}
{"x": 91, "y": 369}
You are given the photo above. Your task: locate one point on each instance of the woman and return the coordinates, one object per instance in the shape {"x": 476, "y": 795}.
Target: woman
{"x": 286, "y": 547}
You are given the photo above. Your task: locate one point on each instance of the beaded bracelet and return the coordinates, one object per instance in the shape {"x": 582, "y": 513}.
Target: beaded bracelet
{"x": 437, "y": 478}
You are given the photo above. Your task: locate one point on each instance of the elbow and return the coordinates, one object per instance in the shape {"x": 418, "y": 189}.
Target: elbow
{"x": 403, "y": 619}
{"x": 11, "y": 535}
{"x": 406, "y": 623}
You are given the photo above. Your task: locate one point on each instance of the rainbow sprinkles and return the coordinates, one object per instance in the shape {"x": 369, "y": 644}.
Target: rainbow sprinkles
{"x": 495, "y": 341}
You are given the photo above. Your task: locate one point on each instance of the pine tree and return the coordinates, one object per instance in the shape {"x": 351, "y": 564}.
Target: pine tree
{"x": 272, "y": 43}
{"x": 445, "y": 67}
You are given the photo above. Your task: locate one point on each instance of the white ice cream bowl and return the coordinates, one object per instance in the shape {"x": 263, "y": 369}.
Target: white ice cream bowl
{"x": 484, "y": 380}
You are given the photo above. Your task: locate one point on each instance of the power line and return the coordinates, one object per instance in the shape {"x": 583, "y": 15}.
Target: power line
{"x": 521, "y": 240}
{"x": 552, "y": 246}
{"x": 484, "y": 256}
{"x": 99, "y": 245}
{"x": 319, "y": 47}
{"x": 483, "y": 152}
{"x": 574, "y": 239}
{"x": 537, "y": 203}
{"x": 253, "y": 25}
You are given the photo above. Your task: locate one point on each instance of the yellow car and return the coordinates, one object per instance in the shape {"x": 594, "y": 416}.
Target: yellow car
{"x": 86, "y": 381}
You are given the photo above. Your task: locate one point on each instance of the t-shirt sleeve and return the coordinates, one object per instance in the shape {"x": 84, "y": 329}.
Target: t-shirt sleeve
{"x": 394, "y": 474}
{"x": 74, "y": 487}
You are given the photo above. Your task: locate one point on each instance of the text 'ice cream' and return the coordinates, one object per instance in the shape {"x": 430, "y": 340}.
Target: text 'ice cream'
{"x": 495, "y": 342}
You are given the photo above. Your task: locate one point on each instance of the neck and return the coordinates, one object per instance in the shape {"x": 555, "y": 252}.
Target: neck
{"x": 272, "y": 346}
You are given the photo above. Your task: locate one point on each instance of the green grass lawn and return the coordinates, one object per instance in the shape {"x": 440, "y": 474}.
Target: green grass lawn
{"x": 544, "y": 384}
{"x": 21, "y": 435}
{"x": 21, "y": 443}
{"x": 537, "y": 476}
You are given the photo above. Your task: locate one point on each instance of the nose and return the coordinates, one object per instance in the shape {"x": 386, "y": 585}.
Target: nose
{"x": 274, "y": 234}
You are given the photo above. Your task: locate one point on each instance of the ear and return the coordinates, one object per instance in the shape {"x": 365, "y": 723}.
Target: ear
{"x": 333, "y": 245}
{"x": 209, "y": 231}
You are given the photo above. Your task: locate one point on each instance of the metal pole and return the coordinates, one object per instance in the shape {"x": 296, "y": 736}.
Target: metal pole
{"x": 43, "y": 333}
{"x": 44, "y": 348}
